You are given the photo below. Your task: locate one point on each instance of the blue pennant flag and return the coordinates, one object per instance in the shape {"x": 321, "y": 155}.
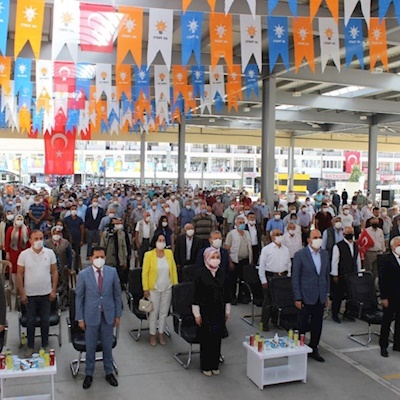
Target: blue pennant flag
{"x": 354, "y": 41}
{"x": 219, "y": 102}
{"x": 198, "y": 74}
{"x": 384, "y": 6}
{"x": 4, "y": 14}
{"x": 3, "y": 123}
{"x": 25, "y": 96}
{"x": 278, "y": 39}
{"x": 72, "y": 120}
{"x": 37, "y": 120}
{"x": 103, "y": 126}
{"x": 251, "y": 79}
{"x": 84, "y": 75}
{"x": 292, "y": 4}
{"x": 142, "y": 81}
{"x": 113, "y": 117}
{"x": 191, "y": 27}
{"x": 22, "y": 73}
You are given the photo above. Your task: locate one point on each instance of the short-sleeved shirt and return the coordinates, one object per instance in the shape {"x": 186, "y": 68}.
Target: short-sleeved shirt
{"x": 37, "y": 267}
{"x": 37, "y": 210}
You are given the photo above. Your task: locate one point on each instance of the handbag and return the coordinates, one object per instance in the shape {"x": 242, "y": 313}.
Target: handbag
{"x": 145, "y": 305}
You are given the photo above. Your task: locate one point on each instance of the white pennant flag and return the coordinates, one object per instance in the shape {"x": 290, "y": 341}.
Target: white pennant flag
{"x": 112, "y": 102}
{"x": 252, "y": 6}
{"x": 350, "y": 5}
{"x": 44, "y": 79}
{"x": 162, "y": 110}
{"x": 250, "y": 38}
{"x": 8, "y": 99}
{"x": 127, "y": 117}
{"x": 228, "y": 5}
{"x": 206, "y": 102}
{"x": 103, "y": 80}
{"x": 66, "y": 19}
{"x": 12, "y": 117}
{"x": 329, "y": 40}
{"x": 48, "y": 118}
{"x": 83, "y": 122}
{"x": 217, "y": 81}
{"x": 161, "y": 83}
{"x": 61, "y": 102}
{"x": 160, "y": 35}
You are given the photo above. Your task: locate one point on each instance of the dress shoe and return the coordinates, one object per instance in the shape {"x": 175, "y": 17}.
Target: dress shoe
{"x": 153, "y": 341}
{"x": 349, "y": 317}
{"x": 234, "y": 302}
{"x": 266, "y": 328}
{"x": 207, "y": 373}
{"x": 111, "y": 380}
{"x": 87, "y": 382}
{"x": 215, "y": 371}
{"x": 316, "y": 356}
{"x": 384, "y": 353}
{"x": 336, "y": 319}
{"x": 395, "y": 348}
{"x": 161, "y": 339}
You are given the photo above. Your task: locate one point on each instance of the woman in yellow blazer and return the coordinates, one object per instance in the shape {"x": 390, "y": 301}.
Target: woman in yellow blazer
{"x": 158, "y": 276}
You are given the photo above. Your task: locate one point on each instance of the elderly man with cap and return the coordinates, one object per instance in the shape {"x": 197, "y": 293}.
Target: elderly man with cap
{"x": 332, "y": 235}
{"x": 274, "y": 261}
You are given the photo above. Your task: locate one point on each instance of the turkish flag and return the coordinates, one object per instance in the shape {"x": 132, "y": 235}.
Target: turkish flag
{"x": 364, "y": 243}
{"x": 59, "y": 152}
{"x": 351, "y": 158}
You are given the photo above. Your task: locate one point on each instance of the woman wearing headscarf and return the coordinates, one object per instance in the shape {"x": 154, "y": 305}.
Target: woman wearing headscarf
{"x": 211, "y": 308}
{"x": 17, "y": 240}
{"x": 158, "y": 276}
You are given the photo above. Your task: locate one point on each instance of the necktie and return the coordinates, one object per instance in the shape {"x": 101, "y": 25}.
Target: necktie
{"x": 100, "y": 280}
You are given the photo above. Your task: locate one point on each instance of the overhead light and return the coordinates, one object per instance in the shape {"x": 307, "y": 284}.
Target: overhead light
{"x": 211, "y": 120}
{"x": 296, "y": 94}
{"x": 246, "y": 109}
{"x": 363, "y": 117}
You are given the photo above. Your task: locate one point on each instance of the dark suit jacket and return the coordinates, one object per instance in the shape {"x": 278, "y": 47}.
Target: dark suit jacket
{"x": 259, "y": 234}
{"x": 389, "y": 278}
{"x": 90, "y": 222}
{"x": 394, "y": 232}
{"x": 308, "y": 286}
{"x": 180, "y": 250}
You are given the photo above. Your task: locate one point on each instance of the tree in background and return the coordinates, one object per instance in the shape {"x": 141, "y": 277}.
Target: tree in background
{"x": 356, "y": 173}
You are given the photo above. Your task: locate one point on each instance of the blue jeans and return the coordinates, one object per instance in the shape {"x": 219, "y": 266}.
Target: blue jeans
{"x": 93, "y": 236}
{"x": 38, "y": 305}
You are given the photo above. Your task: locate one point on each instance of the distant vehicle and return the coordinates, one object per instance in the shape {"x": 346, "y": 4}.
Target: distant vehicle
{"x": 18, "y": 186}
{"x": 39, "y": 186}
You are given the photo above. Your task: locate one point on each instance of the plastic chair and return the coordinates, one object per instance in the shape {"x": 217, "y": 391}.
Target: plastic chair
{"x": 252, "y": 281}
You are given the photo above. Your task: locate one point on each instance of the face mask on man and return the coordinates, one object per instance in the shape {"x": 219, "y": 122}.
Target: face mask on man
{"x": 217, "y": 243}
{"x": 278, "y": 239}
{"x": 190, "y": 232}
{"x": 316, "y": 243}
{"x": 38, "y": 244}
{"x": 99, "y": 262}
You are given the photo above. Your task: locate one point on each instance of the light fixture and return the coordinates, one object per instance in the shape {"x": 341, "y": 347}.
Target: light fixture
{"x": 363, "y": 117}
{"x": 296, "y": 94}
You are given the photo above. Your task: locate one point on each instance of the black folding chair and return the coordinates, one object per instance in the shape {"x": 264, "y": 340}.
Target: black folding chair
{"x": 188, "y": 273}
{"x": 362, "y": 303}
{"x": 252, "y": 281}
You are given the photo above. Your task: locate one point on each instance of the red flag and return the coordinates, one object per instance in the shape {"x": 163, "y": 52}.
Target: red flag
{"x": 351, "y": 158}
{"x": 64, "y": 76}
{"x": 364, "y": 243}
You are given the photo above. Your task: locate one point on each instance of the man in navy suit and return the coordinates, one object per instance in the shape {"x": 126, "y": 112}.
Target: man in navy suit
{"x": 98, "y": 311}
{"x": 310, "y": 280}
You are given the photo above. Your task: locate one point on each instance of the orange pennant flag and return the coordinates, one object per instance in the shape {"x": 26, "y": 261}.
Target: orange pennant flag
{"x": 185, "y": 5}
{"x": 190, "y": 100}
{"x": 303, "y": 42}
{"x": 179, "y": 80}
{"x": 212, "y": 4}
{"x": 123, "y": 78}
{"x": 377, "y": 43}
{"x": 234, "y": 88}
{"x": 221, "y": 39}
{"x": 333, "y": 6}
{"x": 5, "y": 73}
{"x": 24, "y": 120}
{"x": 130, "y": 34}
{"x": 29, "y": 25}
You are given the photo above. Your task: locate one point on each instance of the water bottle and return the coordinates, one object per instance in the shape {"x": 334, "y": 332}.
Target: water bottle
{"x": 9, "y": 359}
{"x": 23, "y": 339}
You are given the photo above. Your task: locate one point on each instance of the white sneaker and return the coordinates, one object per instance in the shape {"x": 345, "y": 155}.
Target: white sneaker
{"x": 215, "y": 371}
{"x": 207, "y": 373}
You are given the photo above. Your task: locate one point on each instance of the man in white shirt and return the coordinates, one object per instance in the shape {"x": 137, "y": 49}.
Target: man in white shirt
{"x": 371, "y": 255}
{"x": 274, "y": 261}
{"x": 255, "y": 236}
{"x": 345, "y": 217}
{"x": 37, "y": 279}
{"x": 174, "y": 205}
{"x": 292, "y": 239}
{"x": 144, "y": 233}
{"x": 345, "y": 260}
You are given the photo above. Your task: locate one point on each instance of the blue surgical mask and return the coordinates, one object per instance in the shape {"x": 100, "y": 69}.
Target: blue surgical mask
{"x": 242, "y": 227}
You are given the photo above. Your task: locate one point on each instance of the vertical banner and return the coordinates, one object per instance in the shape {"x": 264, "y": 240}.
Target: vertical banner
{"x": 217, "y": 84}
{"x": 329, "y": 41}
{"x": 205, "y": 101}
{"x": 179, "y": 81}
{"x": 162, "y": 88}
{"x": 65, "y": 28}
{"x": 354, "y": 41}
{"x": 44, "y": 84}
{"x": 4, "y": 16}
{"x": 22, "y": 73}
{"x": 278, "y": 39}
{"x": 350, "y": 5}
{"x": 83, "y": 124}
{"x": 98, "y": 26}
{"x": 29, "y": 25}
{"x": 234, "y": 88}
{"x": 185, "y": 4}
{"x": 221, "y": 39}
{"x": 160, "y": 35}
{"x": 198, "y": 79}
{"x": 130, "y": 34}
{"x": 190, "y": 101}
{"x": 251, "y": 80}
{"x": 103, "y": 80}
{"x": 377, "y": 43}
{"x": 191, "y": 29}
{"x": 59, "y": 150}
{"x": 123, "y": 81}
{"x": 84, "y": 74}
{"x": 303, "y": 42}
{"x": 5, "y": 73}
{"x": 292, "y": 4}
{"x": 384, "y": 6}
{"x": 251, "y": 40}
{"x": 142, "y": 90}
{"x": 333, "y": 6}
{"x": 64, "y": 76}
{"x": 351, "y": 158}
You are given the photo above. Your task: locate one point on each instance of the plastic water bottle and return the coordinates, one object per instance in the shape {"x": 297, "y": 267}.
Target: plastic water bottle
{"x": 23, "y": 339}
{"x": 9, "y": 359}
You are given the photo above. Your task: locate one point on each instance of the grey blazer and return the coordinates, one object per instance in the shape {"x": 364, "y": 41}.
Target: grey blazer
{"x": 308, "y": 286}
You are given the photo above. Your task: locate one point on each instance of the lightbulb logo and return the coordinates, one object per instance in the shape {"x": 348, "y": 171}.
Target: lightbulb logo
{"x": 354, "y": 32}
{"x": 279, "y": 31}
{"x": 130, "y": 25}
{"x": 220, "y": 31}
{"x": 122, "y": 76}
{"x": 303, "y": 33}
{"x": 30, "y": 13}
{"x": 329, "y": 33}
{"x": 162, "y": 77}
{"x": 67, "y": 18}
{"x": 103, "y": 75}
{"x": 193, "y": 26}
{"x": 161, "y": 27}
{"x": 251, "y": 31}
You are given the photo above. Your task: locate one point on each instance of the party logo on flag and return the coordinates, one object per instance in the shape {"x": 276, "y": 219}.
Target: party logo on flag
{"x": 250, "y": 38}
{"x": 378, "y": 42}
{"x": 251, "y": 80}
{"x": 198, "y": 79}
{"x": 303, "y": 42}
{"x": 4, "y": 16}
{"x": 329, "y": 42}
{"x": 354, "y": 39}
{"x": 278, "y": 39}
{"x": 191, "y": 27}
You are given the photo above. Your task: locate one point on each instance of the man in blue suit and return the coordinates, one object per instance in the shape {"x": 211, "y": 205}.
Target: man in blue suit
{"x": 310, "y": 280}
{"x": 98, "y": 311}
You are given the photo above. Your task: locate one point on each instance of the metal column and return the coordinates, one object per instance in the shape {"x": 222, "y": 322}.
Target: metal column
{"x": 181, "y": 152}
{"x": 291, "y": 163}
{"x": 142, "y": 159}
{"x": 268, "y": 141}
{"x": 372, "y": 159}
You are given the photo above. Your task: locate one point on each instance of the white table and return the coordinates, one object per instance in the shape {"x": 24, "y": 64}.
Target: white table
{"x": 294, "y": 370}
{"x": 29, "y": 373}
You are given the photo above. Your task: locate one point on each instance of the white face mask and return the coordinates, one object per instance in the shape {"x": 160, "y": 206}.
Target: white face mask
{"x": 316, "y": 243}
{"x": 167, "y": 209}
{"x": 291, "y": 232}
{"x": 164, "y": 224}
{"x": 277, "y": 217}
{"x": 111, "y": 215}
{"x": 217, "y": 243}
{"x": 56, "y": 238}
{"x": 384, "y": 214}
{"x": 263, "y": 203}
{"x": 115, "y": 203}
{"x": 147, "y": 219}
{"x": 345, "y": 212}
{"x": 214, "y": 263}
{"x": 10, "y": 217}
{"x": 59, "y": 227}
{"x": 232, "y": 206}
{"x": 190, "y": 232}
{"x": 139, "y": 207}
{"x": 354, "y": 207}
{"x": 73, "y": 212}
{"x": 278, "y": 239}
{"x": 95, "y": 204}
{"x": 160, "y": 245}
{"x": 19, "y": 222}
{"x": 154, "y": 208}
{"x": 338, "y": 225}
{"x": 99, "y": 262}
{"x": 38, "y": 244}
{"x": 252, "y": 222}
{"x": 397, "y": 250}
{"x": 188, "y": 207}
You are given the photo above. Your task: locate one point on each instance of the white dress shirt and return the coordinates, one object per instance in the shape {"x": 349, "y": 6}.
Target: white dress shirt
{"x": 274, "y": 259}
{"x": 293, "y": 243}
{"x": 316, "y": 256}
{"x": 336, "y": 258}
{"x": 189, "y": 242}
{"x": 253, "y": 235}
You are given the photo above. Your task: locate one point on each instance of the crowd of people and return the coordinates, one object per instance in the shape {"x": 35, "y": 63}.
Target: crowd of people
{"x": 162, "y": 229}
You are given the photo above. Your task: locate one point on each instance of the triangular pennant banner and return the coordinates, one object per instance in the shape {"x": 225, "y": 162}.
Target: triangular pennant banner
{"x": 162, "y": 86}
{"x": 123, "y": 81}
{"x": 191, "y": 28}
{"x": 5, "y": 73}
{"x": 251, "y": 80}
{"x": 211, "y": 3}
{"x": 292, "y": 4}
{"x": 251, "y": 40}
{"x": 384, "y": 6}
{"x": 22, "y": 73}
{"x": 354, "y": 41}
{"x": 333, "y": 6}
{"x": 378, "y": 43}
{"x": 329, "y": 42}
{"x": 103, "y": 80}
{"x": 228, "y": 5}
{"x": 221, "y": 39}
{"x": 217, "y": 82}
{"x": 44, "y": 84}
{"x": 234, "y": 88}
{"x": 179, "y": 81}
{"x": 185, "y": 4}
{"x": 4, "y": 16}
{"x": 350, "y": 5}
{"x": 278, "y": 39}
{"x": 303, "y": 42}
{"x": 198, "y": 79}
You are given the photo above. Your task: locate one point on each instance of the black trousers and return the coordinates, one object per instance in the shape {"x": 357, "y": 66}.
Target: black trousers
{"x": 357, "y": 231}
{"x": 210, "y": 349}
{"x": 339, "y": 291}
{"x": 316, "y": 312}
{"x": 388, "y": 314}
{"x": 266, "y": 308}
{"x": 143, "y": 248}
{"x": 237, "y": 275}
{"x": 256, "y": 253}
